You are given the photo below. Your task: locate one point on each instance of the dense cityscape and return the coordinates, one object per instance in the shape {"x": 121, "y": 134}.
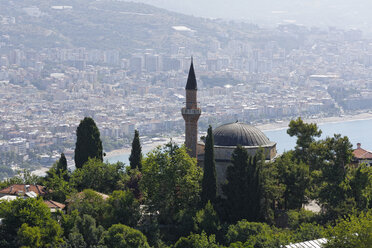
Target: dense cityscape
{"x": 311, "y": 74}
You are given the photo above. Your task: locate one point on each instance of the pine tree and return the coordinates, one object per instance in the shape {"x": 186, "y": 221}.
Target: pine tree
{"x": 135, "y": 157}
{"x": 305, "y": 133}
{"x": 209, "y": 184}
{"x": 88, "y": 142}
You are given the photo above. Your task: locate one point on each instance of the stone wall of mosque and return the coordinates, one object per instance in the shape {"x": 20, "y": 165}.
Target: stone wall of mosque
{"x": 223, "y": 159}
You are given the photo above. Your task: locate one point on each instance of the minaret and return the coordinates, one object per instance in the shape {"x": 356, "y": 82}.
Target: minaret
{"x": 191, "y": 113}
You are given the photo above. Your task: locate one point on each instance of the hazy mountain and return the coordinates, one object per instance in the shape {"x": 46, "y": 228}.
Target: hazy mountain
{"x": 342, "y": 13}
{"x": 104, "y": 24}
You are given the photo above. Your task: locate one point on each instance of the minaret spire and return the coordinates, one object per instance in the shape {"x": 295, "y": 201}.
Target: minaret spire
{"x": 191, "y": 80}
{"x": 191, "y": 113}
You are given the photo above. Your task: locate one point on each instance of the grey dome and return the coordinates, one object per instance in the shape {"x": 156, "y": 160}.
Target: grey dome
{"x": 238, "y": 133}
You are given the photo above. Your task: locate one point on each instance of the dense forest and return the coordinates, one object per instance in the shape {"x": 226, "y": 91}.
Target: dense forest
{"x": 164, "y": 199}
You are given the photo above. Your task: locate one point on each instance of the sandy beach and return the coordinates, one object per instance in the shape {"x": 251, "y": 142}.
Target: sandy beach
{"x": 334, "y": 119}
{"x": 117, "y": 152}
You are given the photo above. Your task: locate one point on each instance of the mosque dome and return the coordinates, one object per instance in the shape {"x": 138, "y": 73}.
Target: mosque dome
{"x": 239, "y": 133}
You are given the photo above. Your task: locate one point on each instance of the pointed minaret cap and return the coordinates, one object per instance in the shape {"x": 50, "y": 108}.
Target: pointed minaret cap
{"x": 191, "y": 80}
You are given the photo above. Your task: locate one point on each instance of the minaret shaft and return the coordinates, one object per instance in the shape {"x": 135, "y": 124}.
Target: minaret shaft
{"x": 191, "y": 114}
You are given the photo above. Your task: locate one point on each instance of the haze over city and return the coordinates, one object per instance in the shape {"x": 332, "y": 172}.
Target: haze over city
{"x": 320, "y": 13}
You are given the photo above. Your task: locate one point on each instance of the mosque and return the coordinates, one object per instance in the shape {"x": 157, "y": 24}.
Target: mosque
{"x": 226, "y": 137}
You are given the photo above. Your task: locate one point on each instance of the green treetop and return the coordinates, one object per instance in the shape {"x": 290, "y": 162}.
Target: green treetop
{"x": 135, "y": 157}
{"x": 29, "y": 222}
{"x": 334, "y": 154}
{"x": 85, "y": 233}
{"x": 209, "y": 184}
{"x": 305, "y": 133}
{"x": 88, "y": 142}
{"x": 197, "y": 241}
{"x": 120, "y": 235}
{"x": 255, "y": 234}
{"x": 353, "y": 231}
{"x": 171, "y": 182}
{"x": 122, "y": 207}
{"x": 296, "y": 179}
{"x": 207, "y": 220}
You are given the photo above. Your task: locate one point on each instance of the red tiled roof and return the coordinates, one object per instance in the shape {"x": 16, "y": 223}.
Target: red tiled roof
{"x": 360, "y": 153}
{"x": 16, "y": 188}
{"x": 53, "y": 204}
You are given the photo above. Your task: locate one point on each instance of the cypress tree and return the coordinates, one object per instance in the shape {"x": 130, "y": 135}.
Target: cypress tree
{"x": 209, "y": 183}
{"x": 62, "y": 163}
{"x": 62, "y": 167}
{"x": 135, "y": 157}
{"x": 88, "y": 142}
{"x": 242, "y": 187}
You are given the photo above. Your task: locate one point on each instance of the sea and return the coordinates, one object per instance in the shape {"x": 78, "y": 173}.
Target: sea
{"x": 358, "y": 131}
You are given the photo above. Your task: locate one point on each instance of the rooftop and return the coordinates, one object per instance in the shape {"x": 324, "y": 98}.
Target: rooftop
{"x": 360, "y": 153}
{"x": 54, "y": 204}
{"x": 318, "y": 243}
{"x": 16, "y": 189}
{"x": 239, "y": 133}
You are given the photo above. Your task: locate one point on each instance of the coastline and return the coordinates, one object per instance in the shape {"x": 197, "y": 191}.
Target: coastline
{"x": 318, "y": 121}
{"x": 263, "y": 127}
{"x": 117, "y": 152}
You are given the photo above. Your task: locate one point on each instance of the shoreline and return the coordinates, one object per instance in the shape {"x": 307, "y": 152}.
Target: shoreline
{"x": 116, "y": 152}
{"x": 319, "y": 121}
{"x": 263, "y": 127}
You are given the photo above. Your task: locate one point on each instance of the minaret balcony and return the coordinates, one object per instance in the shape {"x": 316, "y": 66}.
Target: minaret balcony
{"x": 193, "y": 111}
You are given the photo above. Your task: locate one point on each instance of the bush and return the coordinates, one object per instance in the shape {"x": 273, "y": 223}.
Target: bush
{"x": 122, "y": 207}
{"x": 207, "y": 220}
{"x": 308, "y": 231}
{"x": 253, "y": 234}
{"x": 29, "y": 221}
{"x": 197, "y": 241}
{"x": 118, "y": 236}
{"x": 297, "y": 217}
